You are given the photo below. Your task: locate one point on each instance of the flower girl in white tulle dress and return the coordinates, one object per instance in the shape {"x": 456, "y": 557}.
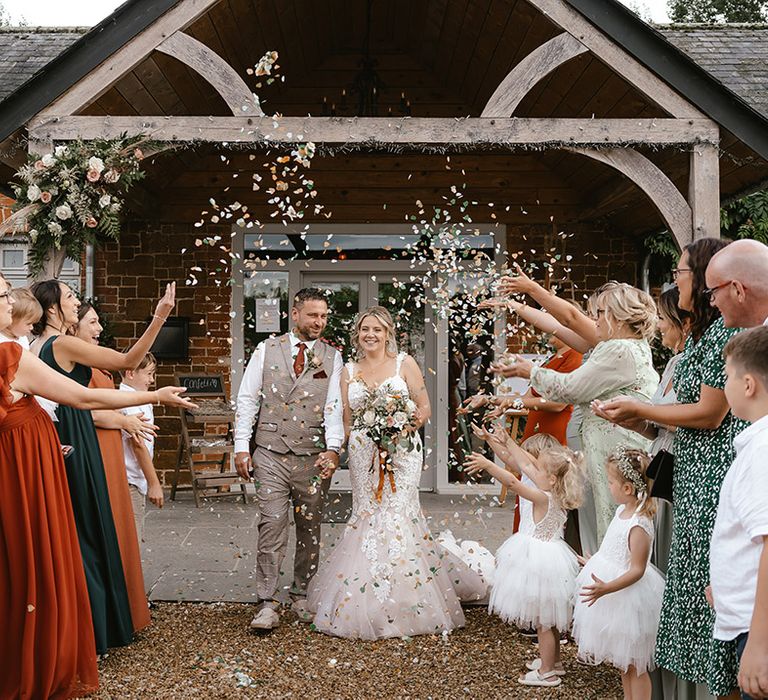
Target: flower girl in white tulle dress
{"x": 617, "y": 610}
{"x": 535, "y": 568}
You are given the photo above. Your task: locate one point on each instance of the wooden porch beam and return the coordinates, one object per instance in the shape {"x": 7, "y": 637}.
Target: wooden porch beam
{"x": 616, "y": 58}
{"x": 704, "y": 190}
{"x": 664, "y": 196}
{"x": 208, "y": 64}
{"x": 370, "y": 131}
{"x": 536, "y": 66}
{"x": 127, "y": 57}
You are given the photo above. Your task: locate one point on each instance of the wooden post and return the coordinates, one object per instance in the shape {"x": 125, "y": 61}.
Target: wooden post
{"x": 704, "y": 190}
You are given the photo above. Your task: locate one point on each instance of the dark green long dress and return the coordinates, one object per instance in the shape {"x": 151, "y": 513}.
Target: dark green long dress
{"x": 96, "y": 533}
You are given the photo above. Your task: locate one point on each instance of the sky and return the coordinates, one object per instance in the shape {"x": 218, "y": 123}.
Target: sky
{"x": 82, "y": 13}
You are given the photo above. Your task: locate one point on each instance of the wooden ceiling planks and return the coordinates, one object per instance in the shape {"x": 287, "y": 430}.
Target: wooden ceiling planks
{"x": 433, "y": 28}
{"x": 449, "y": 40}
{"x": 482, "y": 60}
{"x": 474, "y": 19}
{"x": 154, "y": 81}
{"x": 500, "y": 60}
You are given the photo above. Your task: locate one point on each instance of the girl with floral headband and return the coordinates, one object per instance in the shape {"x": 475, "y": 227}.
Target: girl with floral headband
{"x": 618, "y": 601}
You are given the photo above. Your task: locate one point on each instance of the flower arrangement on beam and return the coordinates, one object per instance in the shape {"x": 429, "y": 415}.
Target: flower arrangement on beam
{"x": 66, "y": 199}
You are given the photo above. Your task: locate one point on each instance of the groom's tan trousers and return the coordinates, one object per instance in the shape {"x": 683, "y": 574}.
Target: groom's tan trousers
{"x": 285, "y": 482}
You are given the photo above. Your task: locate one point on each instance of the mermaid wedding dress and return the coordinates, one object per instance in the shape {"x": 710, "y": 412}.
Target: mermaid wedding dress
{"x": 387, "y": 576}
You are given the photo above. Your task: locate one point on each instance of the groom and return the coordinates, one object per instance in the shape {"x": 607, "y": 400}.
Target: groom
{"x": 291, "y": 392}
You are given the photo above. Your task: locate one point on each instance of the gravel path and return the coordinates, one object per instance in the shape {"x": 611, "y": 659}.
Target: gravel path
{"x": 205, "y": 651}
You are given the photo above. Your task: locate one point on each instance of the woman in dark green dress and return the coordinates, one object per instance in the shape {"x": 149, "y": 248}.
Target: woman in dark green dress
{"x": 74, "y": 358}
{"x": 703, "y": 454}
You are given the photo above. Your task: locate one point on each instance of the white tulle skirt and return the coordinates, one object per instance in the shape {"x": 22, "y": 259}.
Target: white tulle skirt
{"x": 388, "y": 577}
{"x": 619, "y": 628}
{"x": 534, "y": 582}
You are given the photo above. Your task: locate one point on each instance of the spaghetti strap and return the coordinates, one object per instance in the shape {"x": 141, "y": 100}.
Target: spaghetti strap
{"x": 399, "y": 362}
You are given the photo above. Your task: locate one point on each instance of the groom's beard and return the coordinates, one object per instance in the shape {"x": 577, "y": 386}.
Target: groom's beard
{"x": 308, "y": 333}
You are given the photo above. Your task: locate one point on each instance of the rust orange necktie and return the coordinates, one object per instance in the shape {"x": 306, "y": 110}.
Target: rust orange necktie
{"x": 298, "y": 362}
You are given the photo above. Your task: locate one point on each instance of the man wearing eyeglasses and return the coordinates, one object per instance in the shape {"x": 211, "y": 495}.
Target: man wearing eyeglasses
{"x": 737, "y": 283}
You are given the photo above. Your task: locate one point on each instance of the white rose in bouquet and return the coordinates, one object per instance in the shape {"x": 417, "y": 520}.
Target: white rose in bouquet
{"x": 33, "y": 193}
{"x": 369, "y": 417}
{"x": 60, "y": 151}
{"x": 104, "y": 200}
{"x": 96, "y": 164}
{"x": 48, "y": 160}
{"x": 410, "y": 406}
{"x": 401, "y": 419}
{"x": 63, "y": 212}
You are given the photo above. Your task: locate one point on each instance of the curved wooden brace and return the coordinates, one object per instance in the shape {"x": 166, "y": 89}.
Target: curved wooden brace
{"x": 534, "y": 67}
{"x": 208, "y": 64}
{"x": 664, "y": 196}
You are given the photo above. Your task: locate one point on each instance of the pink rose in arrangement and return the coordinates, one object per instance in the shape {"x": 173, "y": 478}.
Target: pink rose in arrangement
{"x": 91, "y": 223}
{"x": 39, "y": 165}
{"x": 138, "y": 154}
{"x": 111, "y": 176}
{"x": 93, "y": 175}
{"x": 45, "y": 197}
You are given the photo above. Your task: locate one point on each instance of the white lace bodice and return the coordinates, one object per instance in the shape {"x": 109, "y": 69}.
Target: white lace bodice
{"x": 615, "y": 545}
{"x": 550, "y": 527}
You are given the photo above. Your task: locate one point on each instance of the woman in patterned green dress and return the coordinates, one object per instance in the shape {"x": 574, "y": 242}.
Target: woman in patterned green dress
{"x": 703, "y": 454}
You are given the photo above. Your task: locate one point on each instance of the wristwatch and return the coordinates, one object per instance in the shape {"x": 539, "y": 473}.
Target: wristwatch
{"x": 518, "y": 404}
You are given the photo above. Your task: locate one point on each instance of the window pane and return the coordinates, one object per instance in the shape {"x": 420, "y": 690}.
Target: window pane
{"x": 13, "y": 259}
{"x": 262, "y": 318}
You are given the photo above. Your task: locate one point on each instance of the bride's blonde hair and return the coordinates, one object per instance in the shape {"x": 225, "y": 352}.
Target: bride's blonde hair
{"x": 385, "y": 319}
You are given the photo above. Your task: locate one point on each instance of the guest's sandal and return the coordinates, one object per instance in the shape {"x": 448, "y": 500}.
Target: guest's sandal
{"x": 547, "y": 680}
{"x": 535, "y": 665}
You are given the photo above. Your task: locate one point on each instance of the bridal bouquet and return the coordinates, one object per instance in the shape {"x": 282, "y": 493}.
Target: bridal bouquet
{"x": 389, "y": 420}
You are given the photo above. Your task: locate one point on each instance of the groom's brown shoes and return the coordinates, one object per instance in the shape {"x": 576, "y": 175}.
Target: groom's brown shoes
{"x": 299, "y": 606}
{"x": 265, "y": 619}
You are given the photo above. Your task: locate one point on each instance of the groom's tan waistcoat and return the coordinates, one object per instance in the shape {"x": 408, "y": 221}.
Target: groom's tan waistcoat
{"x": 291, "y": 414}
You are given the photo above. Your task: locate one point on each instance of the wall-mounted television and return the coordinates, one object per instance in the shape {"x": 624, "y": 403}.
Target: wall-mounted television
{"x": 172, "y": 343}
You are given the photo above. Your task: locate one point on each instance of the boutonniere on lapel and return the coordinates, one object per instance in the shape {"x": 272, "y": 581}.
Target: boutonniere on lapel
{"x": 314, "y": 363}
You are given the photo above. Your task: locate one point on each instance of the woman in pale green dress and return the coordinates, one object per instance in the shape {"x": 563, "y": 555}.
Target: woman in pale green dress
{"x": 620, "y": 365}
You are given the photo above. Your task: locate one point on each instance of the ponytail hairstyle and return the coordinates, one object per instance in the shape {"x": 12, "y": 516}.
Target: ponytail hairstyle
{"x": 48, "y": 294}
{"x": 567, "y": 467}
{"x": 631, "y": 466}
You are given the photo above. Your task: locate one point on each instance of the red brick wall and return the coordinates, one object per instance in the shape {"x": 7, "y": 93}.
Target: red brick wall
{"x": 129, "y": 277}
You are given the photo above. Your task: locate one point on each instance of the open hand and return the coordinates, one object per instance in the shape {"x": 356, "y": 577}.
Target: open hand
{"x": 492, "y": 303}
{"x": 590, "y": 594}
{"x": 168, "y": 301}
{"x": 137, "y": 426}
{"x": 473, "y": 403}
{"x": 172, "y": 396}
{"x": 517, "y": 284}
{"x": 476, "y": 463}
{"x": 518, "y": 366}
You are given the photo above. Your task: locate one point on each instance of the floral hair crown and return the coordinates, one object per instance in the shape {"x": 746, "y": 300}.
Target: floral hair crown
{"x": 623, "y": 461}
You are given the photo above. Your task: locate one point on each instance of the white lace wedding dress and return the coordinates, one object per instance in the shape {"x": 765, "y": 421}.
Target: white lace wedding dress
{"x": 387, "y": 576}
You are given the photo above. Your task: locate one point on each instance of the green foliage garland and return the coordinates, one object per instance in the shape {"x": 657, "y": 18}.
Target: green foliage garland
{"x": 68, "y": 197}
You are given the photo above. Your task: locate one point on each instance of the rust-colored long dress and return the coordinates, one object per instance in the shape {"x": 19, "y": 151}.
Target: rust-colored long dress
{"x": 111, "y": 445}
{"x": 47, "y": 647}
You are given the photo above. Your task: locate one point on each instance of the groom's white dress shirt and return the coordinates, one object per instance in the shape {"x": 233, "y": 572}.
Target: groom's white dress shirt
{"x": 249, "y": 398}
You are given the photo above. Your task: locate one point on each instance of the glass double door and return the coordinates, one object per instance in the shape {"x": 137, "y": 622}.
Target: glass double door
{"x": 350, "y": 293}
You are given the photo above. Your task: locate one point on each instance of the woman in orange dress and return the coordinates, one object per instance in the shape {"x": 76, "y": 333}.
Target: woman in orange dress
{"x": 109, "y": 425}
{"x": 47, "y": 646}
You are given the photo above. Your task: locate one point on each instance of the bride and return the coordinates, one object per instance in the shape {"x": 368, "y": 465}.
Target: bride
{"x": 387, "y": 577}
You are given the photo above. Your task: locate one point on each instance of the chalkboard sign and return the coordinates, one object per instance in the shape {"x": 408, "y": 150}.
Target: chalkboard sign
{"x": 199, "y": 384}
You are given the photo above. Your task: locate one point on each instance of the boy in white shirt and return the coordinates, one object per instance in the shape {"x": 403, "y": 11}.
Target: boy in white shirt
{"x": 739, "y": 555}
{"x": 142, "y": 477}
